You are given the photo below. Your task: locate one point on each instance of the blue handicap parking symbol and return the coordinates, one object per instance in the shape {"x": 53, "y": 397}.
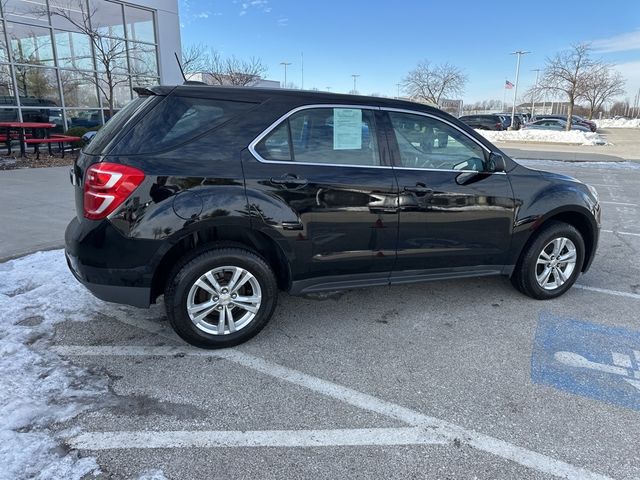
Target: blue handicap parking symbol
{"x": 588, "y": 359}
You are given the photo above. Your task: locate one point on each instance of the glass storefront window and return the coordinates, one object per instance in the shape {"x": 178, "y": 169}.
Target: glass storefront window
{"x": 69, "y": 15}
{"x": 121, "y": 90}
{"x": 84, "y": 118}
{"x": 37, "y": 86}
{"x": 8, "y": 114}
{"x": 40, "y": 83}
{"x": 34, "y": 11}
{"x": 30, "y": 44}
{"x": 112, "y": 56}
{"x": 79, "y": 88}
{"x": 145, "y": 81}
{"x": 139, "y": 24}
{"x": 143, "y": 59}
{"x": 107, "y": 18}
{"x": 4, "y": 54}
{"x": 7, "y": 95}
{"x": 73, "y": 50}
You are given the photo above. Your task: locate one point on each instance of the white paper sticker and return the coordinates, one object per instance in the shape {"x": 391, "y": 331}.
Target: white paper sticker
{"x": 347, "y": 129}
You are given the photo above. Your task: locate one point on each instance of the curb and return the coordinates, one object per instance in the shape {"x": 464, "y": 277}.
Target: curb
{"x": 45, "y": 248}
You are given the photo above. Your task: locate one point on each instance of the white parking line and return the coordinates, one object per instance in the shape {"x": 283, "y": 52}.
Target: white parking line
{"x": 620, "y": 203}
{"x": 616, "y": 293}
{"x": 621, "y": 233}
{"x": 449, "y": 431}
{"x": 259, "y": 438}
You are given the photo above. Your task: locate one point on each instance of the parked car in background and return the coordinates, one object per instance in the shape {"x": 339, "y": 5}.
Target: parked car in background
{"x": 575, "y": 120}
{"x": 219, "y": 197}
{"x": 485, "y": 122}
{"x": 553, "y": 124}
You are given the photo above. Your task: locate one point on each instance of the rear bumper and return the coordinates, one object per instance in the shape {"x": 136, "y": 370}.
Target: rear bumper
{"x": 113, "y": 268}
{"x": 135, "y": 296}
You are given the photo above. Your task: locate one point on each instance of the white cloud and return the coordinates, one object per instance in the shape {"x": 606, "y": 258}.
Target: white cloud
{"x": 258, "y": 5}
{"x": 283, "y": 22}
{"x": 618, "y": 43}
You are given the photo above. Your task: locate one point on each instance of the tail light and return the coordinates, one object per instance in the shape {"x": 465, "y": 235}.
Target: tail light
{"x": 106, "y": 186}
{"x": 499, "y": 126}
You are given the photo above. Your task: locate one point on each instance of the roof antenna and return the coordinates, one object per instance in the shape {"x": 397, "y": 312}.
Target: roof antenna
{"x": 186, "y": 82}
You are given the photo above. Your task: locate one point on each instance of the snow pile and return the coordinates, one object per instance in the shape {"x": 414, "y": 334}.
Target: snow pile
{"x": 619, "y": 123}
{"x": 543, "y": 136}
{"x": 37, "y": 387}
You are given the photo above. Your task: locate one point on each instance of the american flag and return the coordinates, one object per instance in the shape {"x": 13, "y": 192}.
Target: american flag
{"x": 508, "y": 85}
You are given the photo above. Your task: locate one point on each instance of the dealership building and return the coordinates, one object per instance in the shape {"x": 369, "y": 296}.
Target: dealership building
{"x": 75, "y": 62}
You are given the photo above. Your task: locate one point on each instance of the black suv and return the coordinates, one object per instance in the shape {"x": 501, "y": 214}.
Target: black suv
{"x": 219, "y": 197}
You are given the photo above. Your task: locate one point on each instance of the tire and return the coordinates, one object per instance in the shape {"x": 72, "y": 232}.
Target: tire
{"x": 533, "y": 267}
{"x": 190, "y": 286}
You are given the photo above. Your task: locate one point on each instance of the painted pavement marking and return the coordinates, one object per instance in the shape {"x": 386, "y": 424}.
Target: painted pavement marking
{"x": 587, "y": 359}
{"x": 621, "y": 233}
{"x": 606, "y": 291}
{"x": 448, "y": 431}
{"x": 259, "y": 438}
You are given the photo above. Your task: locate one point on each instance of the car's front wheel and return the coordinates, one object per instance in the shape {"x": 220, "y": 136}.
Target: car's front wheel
{"x": 221, "y": 298}
{"x": 551, "y": 263}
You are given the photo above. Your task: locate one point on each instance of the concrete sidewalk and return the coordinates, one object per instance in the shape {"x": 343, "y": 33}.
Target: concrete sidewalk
{"x": 36, "y": 206}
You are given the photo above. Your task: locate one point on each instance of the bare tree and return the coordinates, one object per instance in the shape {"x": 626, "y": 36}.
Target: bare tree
{"x": 194, "y": 58}
{"x": 566, "y": 73}
{"x": 110, "y": 53}
{"x": 601, "y": 85}
{"x": 232, "y": 70}
{"x": 431, "y": 83}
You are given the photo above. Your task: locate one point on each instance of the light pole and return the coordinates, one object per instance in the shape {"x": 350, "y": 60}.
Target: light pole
{"x": 285, "y": 65}
{"x": 519, "y": 53}
{"x": 355, "y": 78}
{"x": 328, "y": 89}
{"x": 398, "y": 85}
{"x": 535, "y": 91}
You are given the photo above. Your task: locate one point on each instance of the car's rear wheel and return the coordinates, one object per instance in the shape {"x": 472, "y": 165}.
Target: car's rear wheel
{"x": 221, "y": 298}
{"x": 551, "y": 263}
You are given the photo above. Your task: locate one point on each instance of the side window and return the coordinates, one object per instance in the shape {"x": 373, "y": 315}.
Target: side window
{"x": 335, "y": 136}
{"x": 275, "y": 146}
{"x": 426, "y": 142}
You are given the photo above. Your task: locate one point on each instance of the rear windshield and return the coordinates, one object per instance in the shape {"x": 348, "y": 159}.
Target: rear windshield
{"x": 118, "y": 123}
{"x": 175, "y": 121}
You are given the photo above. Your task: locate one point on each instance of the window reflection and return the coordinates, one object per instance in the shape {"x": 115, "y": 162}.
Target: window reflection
{"x": 107, "y": 18}
{"x": 125, "y": 48}
{"x": 79, "y": 88}
{"x": 73, "y": 50}
{"x": 139, "y": 24}
{"x": 69, "y": 14}
{"x": 7, "y": 95}
{"x": 84, "y": 118}
{"x": 26, "y": 10}
{"x": 121, "y": 90}
{"x": 37, "y": 86}
{"x": 143, "y": 59}
{"x": 30, "y": 44}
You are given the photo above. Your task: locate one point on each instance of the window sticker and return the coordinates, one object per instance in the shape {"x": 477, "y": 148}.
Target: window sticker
{"x": 347, "y": 129}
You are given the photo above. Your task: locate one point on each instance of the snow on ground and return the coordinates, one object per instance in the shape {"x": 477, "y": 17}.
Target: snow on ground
{"x": 619, "y": 123}
{"x": 37, "y": 387}
{"x": 543, "y": 136}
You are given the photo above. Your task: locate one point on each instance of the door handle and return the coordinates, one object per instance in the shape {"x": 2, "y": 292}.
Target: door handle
{"x": 419, "y": 189}
{"x": 290, "y": 181}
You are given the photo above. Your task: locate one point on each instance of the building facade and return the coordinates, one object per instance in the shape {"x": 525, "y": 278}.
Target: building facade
{"x": 76, "y": 62}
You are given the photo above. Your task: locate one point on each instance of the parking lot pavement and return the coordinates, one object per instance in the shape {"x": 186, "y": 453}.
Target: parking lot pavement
{"x": 37, "y": 204}
{"x": 459, "y": 379}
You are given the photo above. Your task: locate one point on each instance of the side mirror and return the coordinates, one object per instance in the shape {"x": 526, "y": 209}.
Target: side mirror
{"x": 496, "y": 163}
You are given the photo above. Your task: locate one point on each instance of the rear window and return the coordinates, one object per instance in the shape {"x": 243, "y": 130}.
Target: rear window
{"x": 118, "y": 123}
{"x": 175, "y": 121}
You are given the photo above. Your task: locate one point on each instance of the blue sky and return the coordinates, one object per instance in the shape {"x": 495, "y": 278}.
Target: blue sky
{"x": 381, "y": 40}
